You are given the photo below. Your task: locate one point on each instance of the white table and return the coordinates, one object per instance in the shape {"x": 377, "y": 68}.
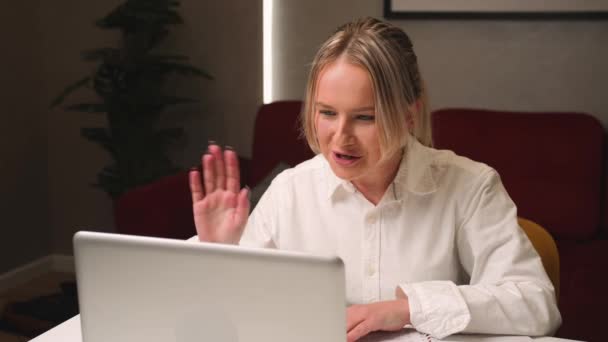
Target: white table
{"x": 69, "y": 331}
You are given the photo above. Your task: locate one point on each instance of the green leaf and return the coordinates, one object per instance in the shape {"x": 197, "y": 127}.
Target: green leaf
{"x": 101, "y": 136}
{"x": 103, "y": 53}
{"x": 110, "y": 22}
{"x": 98, "y": 134}
{"x": 133, "y": 14}
{"x": 69, "y": 89}
{"x": 160, "y": 15}
{"x": 172, "y": 100}
{"x": 162, "y": 57}
{"x": 129, "y": 80}
{"x": 116, "y": 18}
{"x": 158, "y": 37}
{"x": 88, "y": 108}
{"x": 109, "y": 180}
{"x": 184, "y": 69}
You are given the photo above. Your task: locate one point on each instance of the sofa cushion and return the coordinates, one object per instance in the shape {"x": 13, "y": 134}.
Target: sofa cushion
{"x": 584, "y": 280}
{"x": 160, "y": 209}
{"x": 604, "y": 226}
{"x": 550, "y": 163}
{"x": 277, "y": 139}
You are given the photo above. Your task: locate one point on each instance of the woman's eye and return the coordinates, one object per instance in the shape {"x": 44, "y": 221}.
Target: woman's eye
{"x": 366, "y": 117}
{"x": 327, "y": 112}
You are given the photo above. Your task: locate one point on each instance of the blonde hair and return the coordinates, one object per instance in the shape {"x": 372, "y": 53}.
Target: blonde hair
{"x": 386, "y": 52}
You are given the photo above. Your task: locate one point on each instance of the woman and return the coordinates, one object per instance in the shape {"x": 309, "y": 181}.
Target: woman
{"x": 428, "y": 238}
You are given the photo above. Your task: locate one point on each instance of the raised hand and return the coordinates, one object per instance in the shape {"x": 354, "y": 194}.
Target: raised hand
{"x": 219, "y": 206}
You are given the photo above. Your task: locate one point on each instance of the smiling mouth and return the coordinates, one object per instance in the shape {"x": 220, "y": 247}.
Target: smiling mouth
{"x": 345, "y": 160}
{"x": 346, "y": 156}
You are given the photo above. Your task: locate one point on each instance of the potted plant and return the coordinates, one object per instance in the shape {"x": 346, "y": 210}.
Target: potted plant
{"x": 130, "y": 82}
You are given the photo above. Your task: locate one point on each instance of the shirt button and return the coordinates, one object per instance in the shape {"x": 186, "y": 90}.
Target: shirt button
{"x": 371, "y": 270}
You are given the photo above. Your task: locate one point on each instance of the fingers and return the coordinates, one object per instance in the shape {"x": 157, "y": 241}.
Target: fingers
{"x": 390, "y": 315}
{"x": 209, "y": 173}
{"x": 358, "y": 331}
{"x": 218, "y": 165}
{"x": 358, "y": 323}
{"x": 196, "y": 188}
{"x": 233, "y": 177}
{"x": 221, "y": 169}
{"x": 354, "y": 316}
{"x": 242, "y": 207}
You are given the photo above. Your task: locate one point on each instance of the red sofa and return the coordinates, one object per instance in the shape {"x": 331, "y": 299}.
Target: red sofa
{"x": 551, "y": 164}
{"x": 164, "y": 208}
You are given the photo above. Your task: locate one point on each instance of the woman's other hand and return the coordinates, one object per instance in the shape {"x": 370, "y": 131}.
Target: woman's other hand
{"x": 219, "y": 206}
{"x": 362, "y": 319}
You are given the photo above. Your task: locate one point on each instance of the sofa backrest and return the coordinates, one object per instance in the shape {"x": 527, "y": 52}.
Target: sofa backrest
{"x": 162, "y": 209}
{"x": 277, "y": 139}
{"x": 550, "y": 163}
{"x": 604, "y": 226}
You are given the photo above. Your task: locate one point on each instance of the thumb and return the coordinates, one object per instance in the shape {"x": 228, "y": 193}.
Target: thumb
{"x": 242, "y": 206}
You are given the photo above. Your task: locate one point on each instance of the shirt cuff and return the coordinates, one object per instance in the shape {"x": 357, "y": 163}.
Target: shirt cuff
{"x": 437, "y": 308}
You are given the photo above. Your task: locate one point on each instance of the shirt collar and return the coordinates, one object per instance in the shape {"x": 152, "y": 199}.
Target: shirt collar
{"x": 415, "y": 172}
{"x": 416, "y": 169}
{"x": 334, "y": 183}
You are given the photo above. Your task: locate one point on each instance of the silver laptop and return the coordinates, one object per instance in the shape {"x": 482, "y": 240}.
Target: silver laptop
{"x": 136, "y": 289}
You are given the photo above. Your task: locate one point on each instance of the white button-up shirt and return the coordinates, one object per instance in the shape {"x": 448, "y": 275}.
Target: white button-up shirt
{"x": 445, "y": 232}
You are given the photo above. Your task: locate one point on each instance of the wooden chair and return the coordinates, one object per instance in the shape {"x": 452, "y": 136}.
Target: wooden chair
{"x": 546, "y": 248}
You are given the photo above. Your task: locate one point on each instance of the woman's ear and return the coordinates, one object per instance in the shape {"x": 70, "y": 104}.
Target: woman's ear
{"x": 409, "y": 119}
{"x": 418, "y": 105}
{"x": 413, "y": 112}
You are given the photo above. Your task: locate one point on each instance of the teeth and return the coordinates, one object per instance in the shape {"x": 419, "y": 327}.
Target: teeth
{"x": 344, "y": 156}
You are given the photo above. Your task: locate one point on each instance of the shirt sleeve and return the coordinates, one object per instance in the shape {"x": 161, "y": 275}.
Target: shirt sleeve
{"x": 509, "y": 291}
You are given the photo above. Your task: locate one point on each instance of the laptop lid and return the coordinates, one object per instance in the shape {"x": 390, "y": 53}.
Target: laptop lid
{"x": 150, "y": 289}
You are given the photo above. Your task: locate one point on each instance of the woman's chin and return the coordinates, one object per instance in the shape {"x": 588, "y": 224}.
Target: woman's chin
{"x": 347, "y": 174}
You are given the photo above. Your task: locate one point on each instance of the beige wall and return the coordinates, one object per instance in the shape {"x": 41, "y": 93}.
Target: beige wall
{"x": 510, "y": 65}
{"x": 224, "y": 38}
{"x": 72, "y": 161}
{"x": 24, "y": 233}
{"x": 46, "y": 166}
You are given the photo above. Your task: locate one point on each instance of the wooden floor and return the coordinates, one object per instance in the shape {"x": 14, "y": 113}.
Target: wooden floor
{"x": 43, "y": 285}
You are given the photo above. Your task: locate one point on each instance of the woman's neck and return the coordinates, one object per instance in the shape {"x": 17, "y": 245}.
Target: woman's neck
{"x": 374, "y": 186}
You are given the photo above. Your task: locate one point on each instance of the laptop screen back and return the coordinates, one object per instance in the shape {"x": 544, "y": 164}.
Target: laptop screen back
{"x": 150, "y": 289}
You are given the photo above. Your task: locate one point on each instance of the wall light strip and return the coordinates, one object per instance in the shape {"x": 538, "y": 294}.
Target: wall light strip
{"x": 267, "y": 49}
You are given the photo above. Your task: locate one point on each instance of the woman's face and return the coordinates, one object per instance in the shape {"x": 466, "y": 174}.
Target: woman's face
{"x": 345, "y": 124}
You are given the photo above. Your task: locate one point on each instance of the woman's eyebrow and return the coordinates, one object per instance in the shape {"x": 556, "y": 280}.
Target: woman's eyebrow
{"x": 321, "y": 104}
{"x": 364, "y": 109}
{"x": 354, "y": 110}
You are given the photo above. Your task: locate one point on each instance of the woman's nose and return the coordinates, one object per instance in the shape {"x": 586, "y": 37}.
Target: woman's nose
{"x": 344, "y": 129}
